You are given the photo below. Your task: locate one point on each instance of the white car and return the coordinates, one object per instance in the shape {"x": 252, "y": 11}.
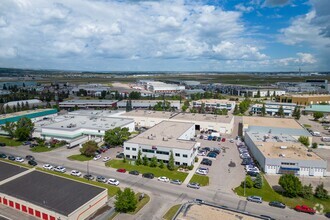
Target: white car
{"x": 201, "y": 153}
{"x": 97, "y": 157}
{"x": 60, "y": 169}
{"x": 113, "y": 182}
{"x": 19, "y": 159}
{"x": 201, "y": 172}
{"x": 231, "y": 140}
{"x": 48, "y": 167}
{"x": 75, "y": 173}
{"x": 254, "y": 169}
{"x": 163, "y": 179}
{"x": 105, "y": 159}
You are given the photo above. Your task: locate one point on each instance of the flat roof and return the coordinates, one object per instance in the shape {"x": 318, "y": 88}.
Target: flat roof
{"x": 150, "y": 114}
{"x": 55, "y": 193}
{"x": 75, "y": 122}
{"x": 318, "y": 108}
{"x": 214, "y": 101}
{"x": 165, "y": 134}
{"x": 271, "y": 147}
{"x": 203, "y": 117}
{"x": 149, "y": 101}
{"x": 22, "y": 113}
{"x": 8, "y": 170}
{"x": 271, "y": 122}
{"x": 201, "y": 212}
{"x": 306, "y": 96}
{"x": 84, "y": 101}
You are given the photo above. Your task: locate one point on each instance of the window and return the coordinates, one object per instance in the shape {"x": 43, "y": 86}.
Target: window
{"x": 177, "y": 155}
{"x": 185, "y": 164}
{"x": 185, "y": 155}
{"x": 285, "y": 163}
{"x": 134, "y": 149}
{"x": 148, "y": 151}
{"x": 162, "y": 152}
{"x": 127, "y": 148}
{"x": 134, "y": 157}
{"x": 128, "y": 156}
{"x": 177, "y": 163}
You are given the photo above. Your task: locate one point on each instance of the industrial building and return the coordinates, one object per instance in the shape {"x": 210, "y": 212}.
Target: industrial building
{"x": 163, "y": 138}
{"x": 214, "y": 104}
{"x": 37, "y": 194}
{"x": 86, "y": 104}
{"x": 273, "y": 142}
{"x": 30, "y": 102}
{"x": 91, "y": 89}
{"x": 147, "y": 104}
{"x": 145, "y": 118}
{"x": 262, "y": 92}
{"x": 304, "y": 99}
{"x": 273, "y": 107}
{"x": 161, "y": 87}
{"x": 325, "y": 109}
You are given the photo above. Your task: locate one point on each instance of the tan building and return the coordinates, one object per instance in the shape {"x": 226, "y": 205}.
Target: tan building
{"x": 304, "y": 99}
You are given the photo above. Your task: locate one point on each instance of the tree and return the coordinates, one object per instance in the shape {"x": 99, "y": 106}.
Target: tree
{"x": 281, "y": 112}
{"x": 268, "y": 93}
{"x": 320, "y": 192}
{"x": 88, "y": 149}
{"x": 248, "y": 183}
{"x": 202, "y": 110}
{"x": 304, "y": 140}
{"x": 296, "y": 113}
{"x": 10, "y": 128}
{"x": 236, "y": 110}
{"x": 153, "y": 162}
{"x": 263, "y": 110}
{"x": 258, "y": 94}
{"x": 307, "y": 191}
{"x": 314, "y": 145}
{"x": 170, "y": 164}
{"x": 24, "y": 129}
{"x": 125, "y": 201}
{"x": 318, "y": 115}
{"x": 291, "y": 184}
{"x": 161, "y": 164}
{"x": 145, "y": 160}
{"x": 128, "y": 105}
{"x": 244, "y": 105}
{"x": 258, "y": 183}
{"x": 116, "y": 136}
{"x": 139, "y": 159}
{"x": 135, "y": 95}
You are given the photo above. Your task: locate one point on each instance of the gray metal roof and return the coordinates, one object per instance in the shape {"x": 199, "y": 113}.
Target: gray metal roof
{"x": 8, "y": 170}
{"x": 279, "y": 131}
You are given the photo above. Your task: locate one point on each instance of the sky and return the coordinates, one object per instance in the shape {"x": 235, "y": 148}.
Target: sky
{"x": 169, "y": 35}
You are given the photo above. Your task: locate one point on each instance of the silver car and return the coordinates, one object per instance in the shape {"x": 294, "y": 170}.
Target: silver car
{"x": 256, "y": 199}
{"x": 193, "y": 185}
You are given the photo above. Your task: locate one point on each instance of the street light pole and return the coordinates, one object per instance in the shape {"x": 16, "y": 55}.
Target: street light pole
{"x": 244, "y": 184}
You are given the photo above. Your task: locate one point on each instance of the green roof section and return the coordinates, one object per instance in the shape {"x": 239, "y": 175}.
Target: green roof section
{"x": 318, "y": 108}
{"x": 14, "y": 117}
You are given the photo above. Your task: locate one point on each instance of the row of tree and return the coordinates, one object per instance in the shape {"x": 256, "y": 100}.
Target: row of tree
{"x": 22, "y": 129}
{"x": 154, "y": 162}
{"x": 242, "y": 107}
{"x": 249, "y": 183}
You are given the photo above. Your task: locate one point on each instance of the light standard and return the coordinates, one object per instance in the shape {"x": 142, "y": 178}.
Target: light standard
{"x": 244, "y": 184}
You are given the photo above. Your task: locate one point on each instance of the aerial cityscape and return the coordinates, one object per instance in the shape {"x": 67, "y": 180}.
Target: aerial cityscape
{"x": 164, "y": 110}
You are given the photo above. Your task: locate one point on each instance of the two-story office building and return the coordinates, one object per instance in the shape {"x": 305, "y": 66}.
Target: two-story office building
{"x": 163, "y": 138}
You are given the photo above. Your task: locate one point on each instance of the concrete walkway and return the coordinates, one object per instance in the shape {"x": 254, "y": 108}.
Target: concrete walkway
{"x": 192, "y": 172}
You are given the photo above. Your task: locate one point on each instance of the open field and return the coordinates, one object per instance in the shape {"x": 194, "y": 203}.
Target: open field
{"x": 10, "y": 142}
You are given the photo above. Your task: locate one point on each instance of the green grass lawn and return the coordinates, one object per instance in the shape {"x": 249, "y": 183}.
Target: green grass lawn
{"x": 268, "y": 194}
{"x": 42, "y": 148}
{"x": 171, "y": 212}
{"x": 79, "y": 157}
{"x": 144, "y": 169}
{"x": 202, "y": 180}
{"x": 307, "y": 126}
{"x": 112, "y": 190}
{"x": 10, "y": 142}
{"x": 141, "y": 203}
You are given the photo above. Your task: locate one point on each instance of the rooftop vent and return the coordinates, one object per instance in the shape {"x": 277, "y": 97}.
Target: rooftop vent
{"x": 165, "y": 139}
{"x": 283, "y": 147}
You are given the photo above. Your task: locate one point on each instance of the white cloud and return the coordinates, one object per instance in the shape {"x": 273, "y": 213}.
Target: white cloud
{"x": 275, "y": 3}
{"x": 242, "y": 8}
{"x": 301, "y": 59}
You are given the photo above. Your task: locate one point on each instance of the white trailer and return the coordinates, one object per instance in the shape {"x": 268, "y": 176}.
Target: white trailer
{"x": 77, "y": 142}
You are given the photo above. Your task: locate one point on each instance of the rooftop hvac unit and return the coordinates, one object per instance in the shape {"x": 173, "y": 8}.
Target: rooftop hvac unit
{"x": 283, "y": 147}
{"x": 282, "y": 155}
{"x": 165, "y": 139}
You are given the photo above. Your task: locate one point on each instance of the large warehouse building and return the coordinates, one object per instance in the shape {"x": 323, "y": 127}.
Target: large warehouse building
{"x": 46, "y": 196}
{"x": 163, "y": 138}
{"x": 273, "y": 142}
{"x": 146, "y": 104}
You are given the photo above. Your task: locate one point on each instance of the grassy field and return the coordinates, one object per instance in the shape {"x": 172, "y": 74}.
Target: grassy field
{"x": 144, "y": 169}
{"x": 41, "y": 148}
{"x": 307, "y": 126}
{"x": 171, "y": 212}
{"x": 112, "y": 190}
{"x": 79, "y": 157}
{"x": 268, "y": 194}
{"x": 10, "y": 142}
{"x": 202, "y": 180}
{"x": 141, "y": 203}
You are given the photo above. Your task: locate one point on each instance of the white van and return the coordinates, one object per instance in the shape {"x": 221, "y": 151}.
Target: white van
{"x": 326, "y": 139}
{"x": 316, "y": 134}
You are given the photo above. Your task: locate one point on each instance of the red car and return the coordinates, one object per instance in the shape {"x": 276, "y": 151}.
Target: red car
{"x": 121, "y": 170}
{"x": 223, "y": 139}
{"x": 305, "y": 208}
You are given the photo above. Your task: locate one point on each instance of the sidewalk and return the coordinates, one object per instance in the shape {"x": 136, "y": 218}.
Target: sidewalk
{"x": 192, "y": 172}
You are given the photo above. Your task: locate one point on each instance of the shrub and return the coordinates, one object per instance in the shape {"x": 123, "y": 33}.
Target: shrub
{"x": 190, "y": 167}
{"x": 248, "y": 182}
{"x": 320, "y": 192}
{"x": 307, "y": 191}
{"x": 258, "y": 182}
{"x": 196, "y": 159}
{"x": 291, "y": 184}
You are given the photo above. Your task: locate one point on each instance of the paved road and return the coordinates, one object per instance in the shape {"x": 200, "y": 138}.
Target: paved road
{"x": 163, "y": 195}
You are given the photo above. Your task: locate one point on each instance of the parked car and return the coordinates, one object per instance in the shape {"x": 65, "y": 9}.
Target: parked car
{"x": 2, "y": 144}
{"x": 19, "y": 159}
{"x": 3, "y": 156}
{"x": 26, "y": 142}
{"x": 106, "y": 159}
{"x": 251, "y": 173}
{"x": 199, "y": 201}
{"x": 201, "y": 153}
{"x": 48, "y": 167}
{"x": 75, "y": 173}
{"x": 256, "y": 199}
{"x": 177, "y": 182}
{"x": 304, "y": 208}
{"x": 231, "y": 140}
{"x": 29, "y": 157}
{"x": 193, "y": 185}
{"x": 101, "y": 179}
{"x": 223, "y": 139}
{"x": 204, "y": 169}
{"x": 207, "y": 149}
{"x": 207, "y": 162}
{"x": 214, "y": 138}
{"x": 120, "y": 155}
{"x": 218, "y": 139}
{"x": 212, "y": 155}
{"x": 89, "y": 176}
{"x": 163, "y": 179}
{"x": 327, "y": 215}
{"x": 277, "y": 204}
{"x": 201, "y": 137}
{"x": 11, "y": 157}
{"x": 32, "y": 163}
{"x": 32, "y": 145}
{"x": 97, "y": 157}
{"x": 148, "y": 175}
{"x": 215, "y": 152}
{"x": 254, "y": 169}
{"x": 201, "y": 172}
{"x": 113, "y": 182}
{"x": 209, "y": 138}
{"x": 121, "y": 170}
{"x": 134, "y": 172}
{"x": 60, "y": 169}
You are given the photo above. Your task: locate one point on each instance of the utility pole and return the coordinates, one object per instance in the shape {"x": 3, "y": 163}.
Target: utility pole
{"x": 244, "y": 184}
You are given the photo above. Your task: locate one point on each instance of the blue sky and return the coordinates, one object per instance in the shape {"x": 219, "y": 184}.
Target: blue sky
{"x": 171, "y": 35}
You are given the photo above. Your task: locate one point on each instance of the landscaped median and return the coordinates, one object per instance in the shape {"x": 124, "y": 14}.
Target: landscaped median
{"x": 10, "y": 142}
{"x": 112, "y": 190}
{"x": 80, "y": 157}
{"x": 171, "y": 212}
{"x": 145, "y": 169}
{"x": 268, "y": 194}
{"x": 202, "y": 180}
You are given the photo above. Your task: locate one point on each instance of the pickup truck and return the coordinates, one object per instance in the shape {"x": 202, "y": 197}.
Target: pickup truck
{"x": 305, "y": 208}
